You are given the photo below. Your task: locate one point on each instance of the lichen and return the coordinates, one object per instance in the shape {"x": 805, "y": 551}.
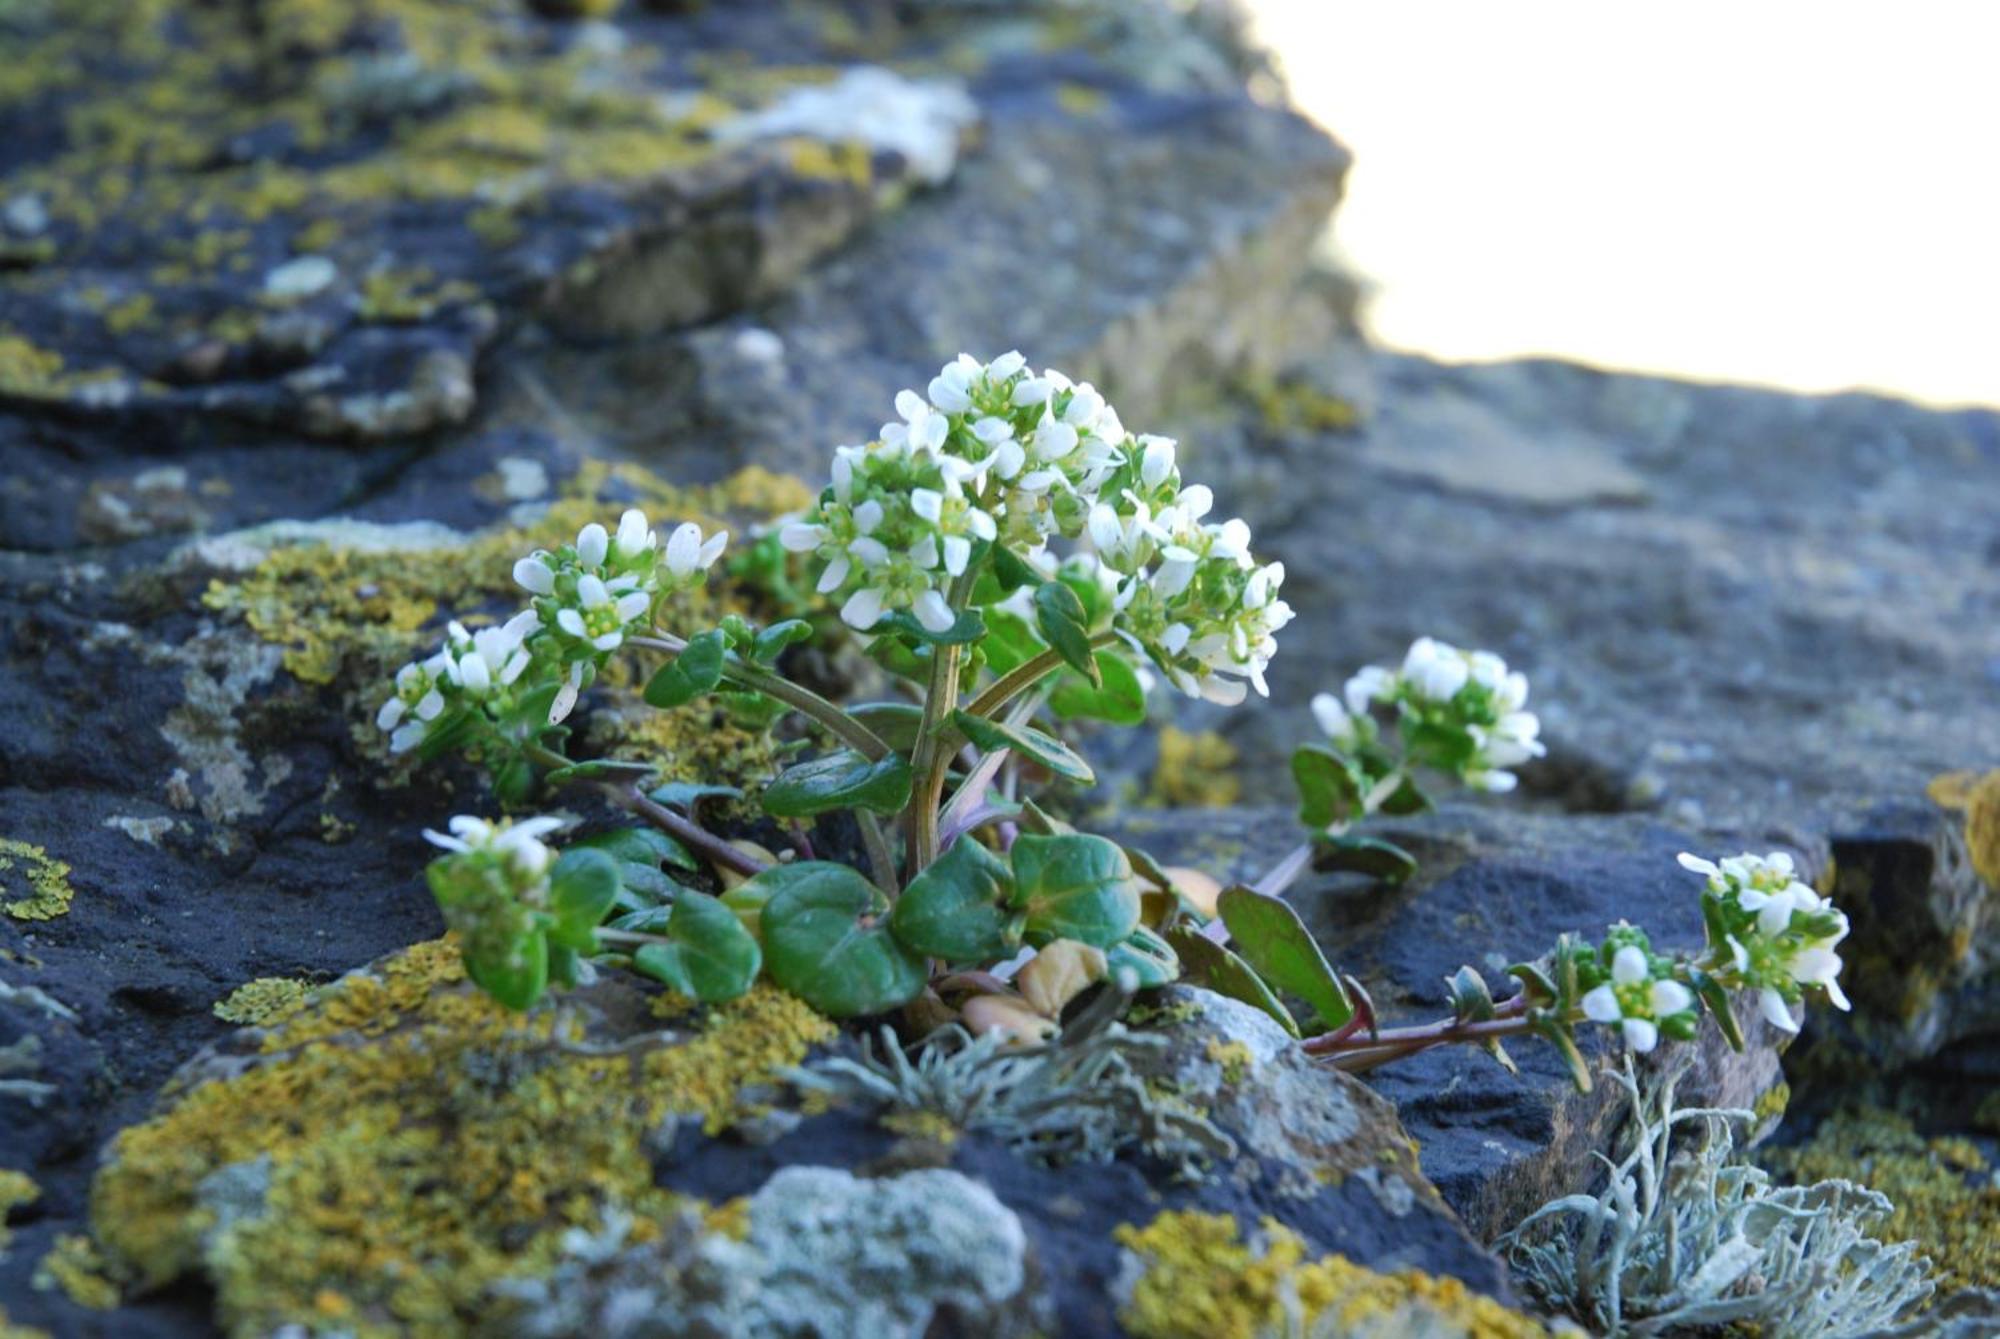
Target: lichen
{"x": 40, "y": 884}
{"x": 16, "y": 1189}
{"x": 1193, "y": 1276}
{"x": 1235, "y": 1058}
{"x": 1194, "y": 770}
{"x": 264, "y": 1001}
{"x": 75, "y": 1265}
{"x": 413, "y": 1142}
{"x": 1982, "y": 827}
{"x": 1945, "y": 1196}
{"x": 9, "y": 1330}
{"x": 1291, "y": 406}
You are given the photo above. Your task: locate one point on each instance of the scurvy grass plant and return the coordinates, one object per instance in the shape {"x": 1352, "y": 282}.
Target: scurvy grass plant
{"x": 1016, "y": 559}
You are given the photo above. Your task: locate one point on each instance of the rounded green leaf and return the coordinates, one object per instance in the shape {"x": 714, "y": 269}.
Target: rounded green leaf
{"x": 516, "y": 978}
{"x": 826, "y": 940}
{"x": 969, "y": 626}
{"x": 956, "y": 910}
{"x": 1364, "y": 855}
{"x": 842, "y": 780}
{"x": 1075, "y": 886}
{"x": 713, "y": 958}
{"x": 1330, "y": 787}
{"x": 1118, "y": 697}
{"x": 696, "y": 670}
{"x": 894, "y": 723}
{"x": 1036, "y": 747}
{"x": 583, "y": 887}
{"x": 1272, "y": 938}
{"x": 772, "y": 641}
{"x": 1149, "y": 958}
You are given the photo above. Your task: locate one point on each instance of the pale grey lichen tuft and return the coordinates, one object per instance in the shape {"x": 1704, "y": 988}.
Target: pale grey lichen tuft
{"x": 1076, "y": 1098}
{"x": 1690, "y": 1239}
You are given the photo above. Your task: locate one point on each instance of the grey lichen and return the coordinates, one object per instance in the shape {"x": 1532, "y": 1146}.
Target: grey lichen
{"x": 1077, "y": 1098}
{"x": 1684, "y": 1239}
{"x": 825, "y": 1253}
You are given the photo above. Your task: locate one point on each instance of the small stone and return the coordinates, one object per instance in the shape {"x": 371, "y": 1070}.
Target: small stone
{"x": 300, "y": 278}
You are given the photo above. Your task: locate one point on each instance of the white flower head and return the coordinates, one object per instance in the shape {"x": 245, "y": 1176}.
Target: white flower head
{"x": 688, "y": 553}
{"x": 599, "y": 616}
{"x": 1634, "y": 1001}
{"x": 518, "y": 843}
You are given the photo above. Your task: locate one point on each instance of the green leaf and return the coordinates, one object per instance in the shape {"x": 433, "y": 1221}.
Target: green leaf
{"x": 516, "y": 979}
{"x": 1330, "y": 788}
{"x": 713, "y": 958}
{"x": 696, "y": 670}
{"x": 562, "y": 965}
{"x": 1009, "y": 640}
{"x": 1059, "y": 618}
{"x": 1041, "y": 822}
{"x": 969, "y": 627}
{"x": 1118, "y": 697}
{"x": 1079, "y": 573}
{"x": 686, "y": 796}
{"x": 1032, "y": 744}
{"x": 753, "y": 711}
{"x": 582, "y": 888}
{"x": 1364, "y": 855}
{"x": 640, "y": 846}
{"x": 772, "y": 641}
{"x": 1272, "y": 938}
{"x": 1011, "y": 571}
{"x": 1471, "y": 998}
{"x": 1710, "y": 992}
{"x": 1147, "y": 956}
{"x": 1536, "y": 982}
{"x": 597, "y": 768}
{"x": 1407, "y": 798}
{"x": 1209, "y": 964}
{"x": 894, "y": 723}
{"x": 826, "y": 940}
{"x": 842, "y": 780}
{"x": 646, "y": 920}
{"x": 1074, "y": 887}
{"x": 956, "y": 909}
{"x": 513, "y": 781}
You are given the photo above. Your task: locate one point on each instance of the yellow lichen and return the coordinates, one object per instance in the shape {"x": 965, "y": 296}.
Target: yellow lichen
{"x": 1982, "y": 827}
{"x": 9, "y": 1330}
{"x": 1770, "y": 1108}
{"x": 264, "y": 1001}
{"x": 417, "y": 1143}
{"x": 930, "y": 1126}
{"x": 39, "y": 885}
{"x": 1201, "y": 1280}
{"x": 16, "y": 1189}
{"x": 1297, "y": 406}
{"x": 1945, "y": 1196}
{"x": 1235, "y": 1058}
{"x": 27, "y": 370}
{"x": 1194, "y": 769}
{"x": 75, "y": 1265}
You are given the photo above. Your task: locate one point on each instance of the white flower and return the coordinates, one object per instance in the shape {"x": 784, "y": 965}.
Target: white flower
{"x": 803, "y": 536}
{"x": 1157, "y": 462}
{"x": 1368, "y": 686}
{"x": 572, "y": 686}
{"x": 863, "y": 609}
{"x": 1436, "y": 671}
{"x": 592, "y": 544}
{"x": 634, "y": 538}
{"x": 933, "y": 611}
{"x": 1634, "y": 1000}
{"x": 688, "y": 552}
{"x": 534, "y": 575}
{"x": 599, "y": 617}
{"x": 518, "y": 842}
{"x": 923, "y": 427}
{"x": 1335, "y": 721}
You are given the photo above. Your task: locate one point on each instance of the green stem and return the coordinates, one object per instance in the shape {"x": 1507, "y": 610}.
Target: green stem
{"x": 641, "y": 805}
{"x": 881, "y": 862}
{"x": 611, "y": 936}
{"x": 745, "y": 675}
{"x": 1025, "y": 676}
{"x": 1356, "y": 1053}
{"x": 932, "y": 758}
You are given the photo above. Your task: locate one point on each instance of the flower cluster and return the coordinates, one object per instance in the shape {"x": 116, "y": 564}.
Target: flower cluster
{"x": 1462, "y": 712}
{"x": 585, "y": 599}
{"x": 493, "y": 886}
{"x": 1778, "y": 934}
{"x": 997, "y": 454}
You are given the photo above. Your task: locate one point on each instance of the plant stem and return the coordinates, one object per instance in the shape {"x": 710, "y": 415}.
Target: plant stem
{"x": 881, "y": 863}
{"x": 1350, "y": 1051}
{"x": 611, "y": 936}
{"x": 1282, "y": 875}
{"x": 635, "y": 801}
{"x": 1024, "y": 676}
{"x": 932, "y": 757}
{"x": 745, "y": 675}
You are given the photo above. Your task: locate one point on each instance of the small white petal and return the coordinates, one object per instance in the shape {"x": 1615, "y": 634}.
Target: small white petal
{"x": 429, "y": 705}
{"x": 1601, "y": 1005}
{"x": 406, "y": 737}
{"x": 592, "y": 543}
{"x": 863, "y": 609}
{"x": 1629, "y": 965}
{"x": 591, "y": 592}
{"x": 571, "y": 622}
{"x": 800, "y": 537}
{"x": 957, "y": 553}
{"x": 1641, "y": 1034}
{"x": 684, "y": 548}
{"x": 867, "y": 516}
{"x": 391, "y": 714}
{"x": 610, "y": 641}
{"x": 1776, "y": 1012}
{"x": 533, "y": 575}
{"x": 835, "y": 574}
{"x": 1670, "y": 997}
{"x": 934, "y": 612}
{"x": 633, "y": 606}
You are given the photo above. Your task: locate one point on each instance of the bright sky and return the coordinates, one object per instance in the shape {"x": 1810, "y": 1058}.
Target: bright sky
{"x": 1796, "y": 194}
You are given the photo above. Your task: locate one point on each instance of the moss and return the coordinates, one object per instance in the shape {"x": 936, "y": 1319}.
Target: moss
{"x": 74, "y": 1265}
{"x": 16, "y": 1189}
{"x": 8, "y": 1329}
{"x": 1943, "y": 1189}
{"x": 412, "y": 1143}
{"x": 1202, "y": 1281}
{"x": 822, "y": 160}
{"x": 260, "y": 1003}
{"x": 1290, "y": 406}
{"x": 1194, "y": 769}
{"x": 1235, "y": 1058}
{"x": 39, "y": 886}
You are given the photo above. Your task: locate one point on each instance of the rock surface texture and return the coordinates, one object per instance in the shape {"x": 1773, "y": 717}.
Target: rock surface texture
{"x": 315, "y": 313}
